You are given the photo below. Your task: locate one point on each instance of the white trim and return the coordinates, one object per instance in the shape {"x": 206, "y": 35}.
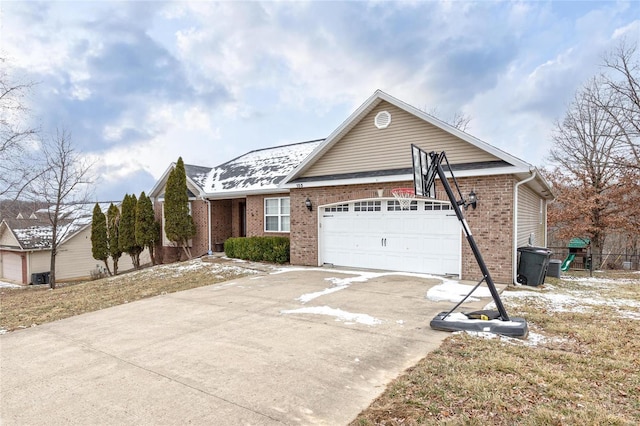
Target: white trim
{"x": 279, "y": 215}
{"x": 161, "y": 183}
{"x": 399, "y": 178}
{"x": 244, "y": 194}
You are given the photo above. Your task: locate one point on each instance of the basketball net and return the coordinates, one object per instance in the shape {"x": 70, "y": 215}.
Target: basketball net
{"x": 404, "y": 196}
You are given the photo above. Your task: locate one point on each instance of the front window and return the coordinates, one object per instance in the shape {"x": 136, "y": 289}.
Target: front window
{"x": 276, "y": 214}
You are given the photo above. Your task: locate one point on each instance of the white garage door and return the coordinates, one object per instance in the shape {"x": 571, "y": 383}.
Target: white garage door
{"x": 378, "y": 234}
{"x": 11, "y": 266}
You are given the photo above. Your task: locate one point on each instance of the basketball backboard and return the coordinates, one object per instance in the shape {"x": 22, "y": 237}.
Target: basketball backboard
{"x": 424, "y": 173}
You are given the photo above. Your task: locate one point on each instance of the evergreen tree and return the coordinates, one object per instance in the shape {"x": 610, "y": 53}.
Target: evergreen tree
{"x": 99, "y": 238}
{"x": 113, "y": 225}
{"x": 127, "y": 228}
{"x": 147, "y": 234}
{"x": 178, "y": 223}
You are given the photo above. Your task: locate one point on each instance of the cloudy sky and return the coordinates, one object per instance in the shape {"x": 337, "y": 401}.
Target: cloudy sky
{"x": 139, "y": 83}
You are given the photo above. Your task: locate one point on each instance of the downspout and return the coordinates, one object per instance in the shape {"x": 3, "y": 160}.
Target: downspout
{"x": 515, "y": 224}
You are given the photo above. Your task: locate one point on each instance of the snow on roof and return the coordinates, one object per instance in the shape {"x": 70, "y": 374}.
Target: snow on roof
{"x": 259, "y": 169}
{"x": 37, "y": 234}
{"x": 198, "y": 174}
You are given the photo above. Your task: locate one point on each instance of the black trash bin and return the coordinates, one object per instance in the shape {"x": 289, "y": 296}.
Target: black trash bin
{"x": 533, "y": 264}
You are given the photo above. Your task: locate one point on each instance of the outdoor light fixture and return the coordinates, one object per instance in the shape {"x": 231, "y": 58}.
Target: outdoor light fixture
{"x": 308, "y": 204}
{"x": 472, "y": 201}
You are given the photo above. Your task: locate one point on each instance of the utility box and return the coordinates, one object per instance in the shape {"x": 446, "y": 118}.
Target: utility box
{"x": 533, "y": 264}
{"x": 554, "y": 268}
{"x": 40, "y": 278}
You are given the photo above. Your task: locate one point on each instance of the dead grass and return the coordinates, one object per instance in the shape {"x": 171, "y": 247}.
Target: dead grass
{"x": 26, "y": 307}
{"x": 579, "y": 366}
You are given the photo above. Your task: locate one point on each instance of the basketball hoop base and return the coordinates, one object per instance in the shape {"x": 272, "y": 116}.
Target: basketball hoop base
{"x": 515, "y": 327}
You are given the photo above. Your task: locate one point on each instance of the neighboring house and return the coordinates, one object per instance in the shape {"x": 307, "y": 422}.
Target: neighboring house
{"x": 25, "y": 247}
{"x": 354, "y": 219}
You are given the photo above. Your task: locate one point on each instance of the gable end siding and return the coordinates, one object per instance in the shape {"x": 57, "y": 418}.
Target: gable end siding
{"x": 531, "y": 219}
{"x": 366, "y": 148}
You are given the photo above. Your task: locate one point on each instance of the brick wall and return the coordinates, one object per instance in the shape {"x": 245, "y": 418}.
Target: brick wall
{"x": 492, "y": 227}
{"x": 491, "y": 223}
{"x": 221, "y": 227}
{"x": 199, "y": 243}
{"x": 255, "y": 216}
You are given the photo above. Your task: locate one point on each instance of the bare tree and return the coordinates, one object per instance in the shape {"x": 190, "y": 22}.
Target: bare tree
{"x": 16, "y": 138}
{"x": 458, "y": 120}
{"x": 622, "y": 79}
{"x": 586, "y": 151}
{"x": 64, "y": 185}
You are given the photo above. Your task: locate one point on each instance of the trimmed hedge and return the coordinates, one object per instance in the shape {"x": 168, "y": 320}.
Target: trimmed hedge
{"x": 258, "y": 249}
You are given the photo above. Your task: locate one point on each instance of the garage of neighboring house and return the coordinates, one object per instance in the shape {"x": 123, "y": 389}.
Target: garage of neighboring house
{"x": 11, "y": 266}
{"x": 378, "y": 234}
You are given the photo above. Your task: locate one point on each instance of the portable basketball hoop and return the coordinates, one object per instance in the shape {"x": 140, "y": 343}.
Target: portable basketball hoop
{"x": 426, "y": 166}
{"x": 404, "y": 196}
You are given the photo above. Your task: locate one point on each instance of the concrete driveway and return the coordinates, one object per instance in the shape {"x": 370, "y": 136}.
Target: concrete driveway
{"x": 307, "y": 346}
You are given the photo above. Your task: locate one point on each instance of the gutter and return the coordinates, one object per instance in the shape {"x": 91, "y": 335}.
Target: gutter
{"x": 515, "y": 223}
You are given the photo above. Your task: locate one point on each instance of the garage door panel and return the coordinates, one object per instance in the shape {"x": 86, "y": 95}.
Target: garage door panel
{"x": 11, "y": 266}
{"x": 411, "y": 240}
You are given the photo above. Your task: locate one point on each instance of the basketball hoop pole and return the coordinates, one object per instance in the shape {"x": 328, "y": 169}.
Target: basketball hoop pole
{"x": 437, "y": 159}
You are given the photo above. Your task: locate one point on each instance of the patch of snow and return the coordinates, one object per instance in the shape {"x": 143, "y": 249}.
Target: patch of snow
{"x": 595, "y": 281}
{"x": 460, "y": 317}
{"x": 533, "y": 339}
{"x": 454, "y": 291}
{"x": 343, "y": 283}
{"x": 571, "y": 301}
{"x": 339, "y": 314}
{"x": 259, "y": 169}
{"x": 629, "y": 315}
{"x": 310, "y": 296}
{"x": 4, "y": 284}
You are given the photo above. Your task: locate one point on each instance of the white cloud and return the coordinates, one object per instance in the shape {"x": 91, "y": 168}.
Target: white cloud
{"x": 143, "y": 84}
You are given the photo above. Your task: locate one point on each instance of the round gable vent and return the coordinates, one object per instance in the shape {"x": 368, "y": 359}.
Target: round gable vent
{"x": 382, "y": 120}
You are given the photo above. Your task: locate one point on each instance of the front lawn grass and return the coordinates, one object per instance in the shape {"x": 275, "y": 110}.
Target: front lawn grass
{"x": 26, "y": 307}
{"x": 580, "y": 366}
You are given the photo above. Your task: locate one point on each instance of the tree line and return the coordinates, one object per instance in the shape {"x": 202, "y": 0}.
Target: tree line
{"x": 125, "y": 230}
{"x": 596, "y": 158}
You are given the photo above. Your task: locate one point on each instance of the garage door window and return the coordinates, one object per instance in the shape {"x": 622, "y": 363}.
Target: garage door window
{"x": 276, "y": 214}
{"x": 436, "y": 206}
{"x": 367, "y": 206}
{"x": 394, "y": 206}
{"x": 338, "y": 208}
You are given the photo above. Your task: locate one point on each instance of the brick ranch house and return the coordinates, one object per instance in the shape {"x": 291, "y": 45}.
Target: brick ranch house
{"x": 354, "y": 220}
